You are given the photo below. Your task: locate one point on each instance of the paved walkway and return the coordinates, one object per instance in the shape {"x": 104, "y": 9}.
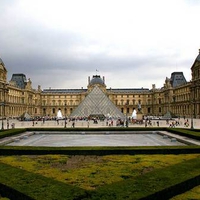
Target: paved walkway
{"x": 53, "y": 123}
{"x": 162, "y": 123}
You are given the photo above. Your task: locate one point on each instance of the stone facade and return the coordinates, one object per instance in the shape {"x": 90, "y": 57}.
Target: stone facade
{"x": 177, "y": 96}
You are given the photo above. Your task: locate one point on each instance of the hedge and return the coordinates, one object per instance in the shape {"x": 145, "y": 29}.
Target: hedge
{"x": 186, "y": 132}
{"x": 11, "y": 132}
{"x": 99, "y": 151}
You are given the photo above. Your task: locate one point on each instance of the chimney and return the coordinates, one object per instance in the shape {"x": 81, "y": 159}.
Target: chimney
{"x": 88, "y": 80}
{"x": 103, "y": 79}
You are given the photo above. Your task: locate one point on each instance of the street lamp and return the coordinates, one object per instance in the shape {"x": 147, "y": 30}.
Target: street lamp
{"x": 65, "y": 117}
{"x": 126, "y": 114}
{"x": 2, "y": 124}
{"x": 192, "y": 123}
{"x": 3, "y": 104}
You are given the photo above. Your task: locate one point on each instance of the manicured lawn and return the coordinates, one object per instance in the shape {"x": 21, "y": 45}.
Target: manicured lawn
{"x": 91, "y": 172}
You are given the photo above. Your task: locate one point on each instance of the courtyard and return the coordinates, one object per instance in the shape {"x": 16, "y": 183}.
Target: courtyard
{"x": 91, "y": 124}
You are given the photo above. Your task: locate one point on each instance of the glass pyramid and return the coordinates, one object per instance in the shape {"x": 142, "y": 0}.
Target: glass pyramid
{"x": 96, "y": 103}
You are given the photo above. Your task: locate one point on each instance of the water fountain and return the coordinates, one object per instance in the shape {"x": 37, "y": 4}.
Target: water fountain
{"x": 134, "y": 114}
{"x": 59, "y": 114}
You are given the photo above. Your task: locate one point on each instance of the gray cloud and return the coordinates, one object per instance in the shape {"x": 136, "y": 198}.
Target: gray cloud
{"x": 64, "y": 57}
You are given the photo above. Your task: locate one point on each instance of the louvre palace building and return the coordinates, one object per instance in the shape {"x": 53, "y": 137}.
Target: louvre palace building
{"x": 177, "y": 96}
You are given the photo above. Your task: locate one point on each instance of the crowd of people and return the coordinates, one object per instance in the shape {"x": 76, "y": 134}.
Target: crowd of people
{"x": 109, "y": 121}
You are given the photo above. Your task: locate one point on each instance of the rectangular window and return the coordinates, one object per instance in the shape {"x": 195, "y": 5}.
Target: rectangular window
{"x": 127, "y": 110}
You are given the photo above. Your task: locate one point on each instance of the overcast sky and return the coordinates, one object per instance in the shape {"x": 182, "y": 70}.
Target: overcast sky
{"x": 133, "y": 43}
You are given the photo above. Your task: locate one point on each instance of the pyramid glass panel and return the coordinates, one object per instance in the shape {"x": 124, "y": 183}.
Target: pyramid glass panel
{"x": 96, "y": 103}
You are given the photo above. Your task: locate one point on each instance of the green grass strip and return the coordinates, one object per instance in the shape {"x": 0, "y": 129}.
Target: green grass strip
{"x": 191, "y": 133}
{"x": 11, "y": 132}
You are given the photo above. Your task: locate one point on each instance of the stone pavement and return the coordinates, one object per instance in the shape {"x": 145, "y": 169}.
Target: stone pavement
{"x": 53, "y": 123}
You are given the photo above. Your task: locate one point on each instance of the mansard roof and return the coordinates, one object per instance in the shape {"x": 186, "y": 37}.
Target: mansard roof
{"x": 20, "y": 80}
{"x": 117, "y": 91}
{"x": 177, "y": 79}
{"x": 129, "y": 90}
{"x": 97, "y": 80}
{"x": 72, "y": 91}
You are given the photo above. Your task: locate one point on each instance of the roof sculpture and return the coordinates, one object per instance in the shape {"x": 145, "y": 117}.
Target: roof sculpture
{"x": 1, "y": 62}
{"x": 2, "y": 65}
{"x": 198, "y": 57}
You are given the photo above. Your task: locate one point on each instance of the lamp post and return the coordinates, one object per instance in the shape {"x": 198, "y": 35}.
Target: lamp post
{"x": 192, "y": 123}
{"x": 2, "y": 124}
{"x": 126, "y": 115}
{"x": 65, "y": 117}
{"x": 3, "y": 105}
